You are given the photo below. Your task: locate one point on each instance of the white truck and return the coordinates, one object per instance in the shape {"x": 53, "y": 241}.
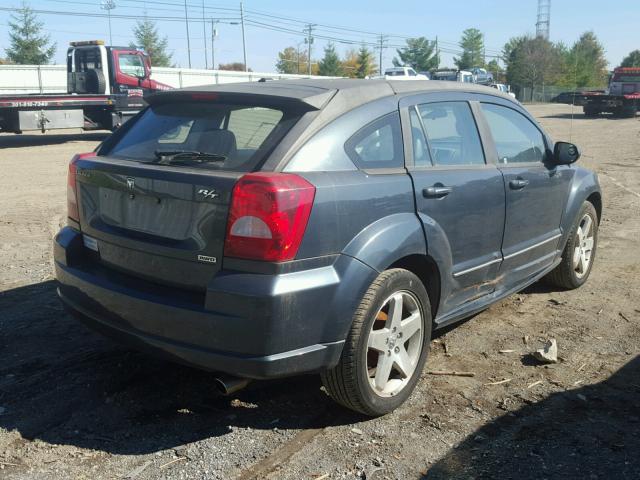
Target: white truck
{"x": 403, "y": 73}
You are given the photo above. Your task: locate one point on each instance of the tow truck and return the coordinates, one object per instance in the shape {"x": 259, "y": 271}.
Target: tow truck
{"x": 105, "y": 87}
{"x": 622, "y": 98}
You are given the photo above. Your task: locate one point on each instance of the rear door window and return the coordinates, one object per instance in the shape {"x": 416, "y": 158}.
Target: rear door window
{"x": 377, "y": 145}
{"x": 451, "y": 133}
{"x": 239, "y": 135}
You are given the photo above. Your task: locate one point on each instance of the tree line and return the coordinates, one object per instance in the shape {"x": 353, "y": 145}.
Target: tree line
{"x": 529, "y": 61}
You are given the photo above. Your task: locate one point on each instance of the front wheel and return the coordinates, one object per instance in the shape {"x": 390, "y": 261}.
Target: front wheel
{"x": 386, "y": 347}
{"x": 579, "y": 252}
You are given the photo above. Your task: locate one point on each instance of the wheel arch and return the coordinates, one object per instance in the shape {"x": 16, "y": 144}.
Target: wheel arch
{"x": 595, "y": 199}
{"x": 426, "y": 269}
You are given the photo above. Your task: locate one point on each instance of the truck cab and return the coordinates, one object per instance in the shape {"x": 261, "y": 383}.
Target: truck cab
{"x": 93, "y": 68}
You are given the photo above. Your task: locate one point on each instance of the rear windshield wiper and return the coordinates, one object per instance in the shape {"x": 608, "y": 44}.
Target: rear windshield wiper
{"x": 167, "y": 157}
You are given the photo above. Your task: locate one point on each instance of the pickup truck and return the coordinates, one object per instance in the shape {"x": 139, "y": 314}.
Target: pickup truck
{"x": 622, "y": 98}
{"x": 403, "y": 73}
{"x": 105, "y": 87}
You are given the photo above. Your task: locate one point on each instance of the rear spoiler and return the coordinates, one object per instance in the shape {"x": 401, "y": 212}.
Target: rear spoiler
{"x": 263, "y": 93}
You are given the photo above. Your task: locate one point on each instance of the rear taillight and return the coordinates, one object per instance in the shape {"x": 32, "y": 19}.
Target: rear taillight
{"x": 268, "y": 216}
{"x": 72, "y": 194}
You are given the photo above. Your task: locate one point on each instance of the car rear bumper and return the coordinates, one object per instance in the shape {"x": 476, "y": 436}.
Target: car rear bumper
{"x": 245, "y": 324}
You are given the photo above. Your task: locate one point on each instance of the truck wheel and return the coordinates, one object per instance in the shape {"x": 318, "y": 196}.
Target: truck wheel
{"x": 590, "y": 111}
{"x": 630, "y": 111}
{"x": 579, "y": 252}
{"x": 386, "y": 347}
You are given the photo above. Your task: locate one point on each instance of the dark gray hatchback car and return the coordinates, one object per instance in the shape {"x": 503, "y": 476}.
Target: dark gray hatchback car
{"x": 277, "y": 228}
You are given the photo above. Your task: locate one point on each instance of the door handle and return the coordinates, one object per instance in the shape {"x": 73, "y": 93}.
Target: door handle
{"x": 518, "y": 184}
{"x": 436, "y": 191}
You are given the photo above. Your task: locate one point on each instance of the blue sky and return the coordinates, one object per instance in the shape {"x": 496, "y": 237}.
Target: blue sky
{"x": 617, "y": 24}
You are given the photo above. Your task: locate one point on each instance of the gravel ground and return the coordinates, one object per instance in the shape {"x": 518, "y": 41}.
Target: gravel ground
{"x": 74, "y": 405}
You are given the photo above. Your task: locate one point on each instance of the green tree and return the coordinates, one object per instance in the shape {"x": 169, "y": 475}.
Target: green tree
{"x": 27, "y": 44}
{"x": 291, "y": 60}
{"x": 420, "y": 54}
{"x": 494, "y": 67}
{"x": 147, "y": 37}
{"x": 631, "y": 60}
{"x": 472, "y": 44}
{"x": 366, "y": 66}
{"x": 330, "y": 64}
{"x": 586, "y": 65}
{"x": 233, "y": 66}
{"x": 350, "y": 63}
{"x": 533, "y": 61}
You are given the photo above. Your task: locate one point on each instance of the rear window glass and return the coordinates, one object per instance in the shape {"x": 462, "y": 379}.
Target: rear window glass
{"x": 236, "y": 137}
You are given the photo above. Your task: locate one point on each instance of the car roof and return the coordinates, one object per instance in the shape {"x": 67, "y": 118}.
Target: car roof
{"x": 338, "y": 95}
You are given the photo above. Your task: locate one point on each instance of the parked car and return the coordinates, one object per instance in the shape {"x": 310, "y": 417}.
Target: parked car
{"x": 272, "y": 229}
{"x": 403, "y": 73}
{"x": 566, "y": 97}
{"x": 449, "y": 75}
{"x": 481, "y": 76}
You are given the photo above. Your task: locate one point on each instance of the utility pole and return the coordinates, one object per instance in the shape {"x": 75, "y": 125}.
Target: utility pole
{"x": 108, "y": 5}
{"x": 381, "y": 39}
{"x": 214, "y": 34}
{"x": 244, "y": 42}
{"x": 437, "y": 54}
{"x": 309, "y": 42}
{"x": 186, "y": 22}
{"x": 204, "y": 38}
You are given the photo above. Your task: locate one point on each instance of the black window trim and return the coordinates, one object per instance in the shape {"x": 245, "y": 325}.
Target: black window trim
{"x": 545, "y": 139}
{"x": 488, "y": 163}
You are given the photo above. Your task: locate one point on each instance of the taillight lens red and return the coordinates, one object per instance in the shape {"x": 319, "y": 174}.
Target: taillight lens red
{"x": 268, "y": 216}
{"x": 72, "y": 195}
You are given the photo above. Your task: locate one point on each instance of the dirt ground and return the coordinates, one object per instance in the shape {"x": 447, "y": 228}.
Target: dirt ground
{"x": 74, "y": 406}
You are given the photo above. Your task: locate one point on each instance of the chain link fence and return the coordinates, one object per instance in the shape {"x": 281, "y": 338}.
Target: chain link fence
{"x": 546, "y": 93}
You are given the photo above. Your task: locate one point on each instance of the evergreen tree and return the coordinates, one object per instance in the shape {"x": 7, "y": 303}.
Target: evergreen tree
{"x": 330, "y": 64}
{"x": 472, "y": 44}
{"x": 28, "y": 45}
{"x": 148, "y": 38}
{"x": 631, "y": 60}
{"x": 420, "y": 54}
{"x": 365, "y": 63}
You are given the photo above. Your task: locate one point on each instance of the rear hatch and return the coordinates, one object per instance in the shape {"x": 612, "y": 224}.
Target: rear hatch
{"x": 154, "y": 202}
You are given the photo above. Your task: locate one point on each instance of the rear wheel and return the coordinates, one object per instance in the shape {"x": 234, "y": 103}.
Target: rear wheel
{"x": 630, "y": 111}
{"x": 386, "y": 347}
{"x": 579, "y": 252}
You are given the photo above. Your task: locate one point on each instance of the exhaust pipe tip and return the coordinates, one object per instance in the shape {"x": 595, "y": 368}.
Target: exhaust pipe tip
{"x": 230, "y": 385}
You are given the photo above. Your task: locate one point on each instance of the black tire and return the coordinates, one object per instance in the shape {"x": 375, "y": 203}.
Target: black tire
{"x": 348, "y": 382}
{"x": 590, "y": 111}
{"x": 630, "y": 111}
{"x": 96, "y": 82}
{"x": 565, "y": 275}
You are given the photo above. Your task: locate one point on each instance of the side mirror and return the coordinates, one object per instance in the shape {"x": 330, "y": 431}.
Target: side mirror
{"x": 565, "y": 153}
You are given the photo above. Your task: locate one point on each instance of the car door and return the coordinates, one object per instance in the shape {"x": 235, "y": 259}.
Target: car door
{"x": 459, "y": 198}
{"x": 536, "y": 192}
